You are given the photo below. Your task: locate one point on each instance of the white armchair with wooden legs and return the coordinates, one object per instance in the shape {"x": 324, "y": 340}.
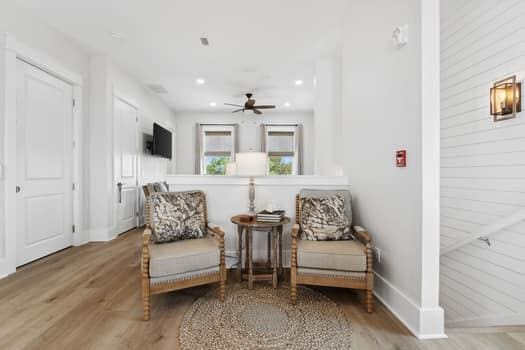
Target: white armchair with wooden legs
{"x": 182, "y": 264}
{"x": 343, "y": 263}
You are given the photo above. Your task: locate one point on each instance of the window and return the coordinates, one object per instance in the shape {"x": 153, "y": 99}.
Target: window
{"x": 282, "y": 143}
{"x": 217, "y": 148}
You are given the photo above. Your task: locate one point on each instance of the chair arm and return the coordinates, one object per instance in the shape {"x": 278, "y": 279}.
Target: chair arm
{"x": 295, "y": 236}
{"x": 146, "y": 236}
{"x": 362, "y": 235}
{"x": 217, "y": 234}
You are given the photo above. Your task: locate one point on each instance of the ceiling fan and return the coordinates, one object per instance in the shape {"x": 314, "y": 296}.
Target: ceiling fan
{"x": 249, "y": 105}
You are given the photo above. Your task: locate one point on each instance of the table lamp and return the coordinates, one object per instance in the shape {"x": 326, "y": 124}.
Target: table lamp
{"x": 251, "y": 164}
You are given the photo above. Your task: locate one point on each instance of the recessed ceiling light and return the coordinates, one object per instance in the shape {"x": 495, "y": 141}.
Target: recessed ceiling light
{"x": 200, "y": 81}
{"x": 213, "y": 104}
{"x": 287, "y": 104}
{"x": 299, "y": 82}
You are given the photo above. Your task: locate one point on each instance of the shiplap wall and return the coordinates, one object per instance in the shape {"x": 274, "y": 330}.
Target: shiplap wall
{"x": 482, "y": 164}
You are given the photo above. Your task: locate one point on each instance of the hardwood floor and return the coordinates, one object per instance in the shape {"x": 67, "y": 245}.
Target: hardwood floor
{"x": 89, "y": 297}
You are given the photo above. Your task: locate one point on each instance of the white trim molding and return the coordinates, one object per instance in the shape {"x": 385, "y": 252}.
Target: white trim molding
{"x": 13, "y": 50}
{"x": 422, "y": 322}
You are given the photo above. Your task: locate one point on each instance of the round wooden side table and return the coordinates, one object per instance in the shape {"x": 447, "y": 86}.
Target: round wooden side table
{"x": 274, "y": 231}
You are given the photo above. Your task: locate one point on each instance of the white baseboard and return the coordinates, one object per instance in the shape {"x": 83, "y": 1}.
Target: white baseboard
{"x": 80, "y": 238}
{"x": 424, "y": 323}
{"x": 6, "y": 269}
{"x": 99, "y": 235}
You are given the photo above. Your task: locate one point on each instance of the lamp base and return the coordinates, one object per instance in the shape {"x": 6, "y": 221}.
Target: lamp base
{"x": 251, "y": 193}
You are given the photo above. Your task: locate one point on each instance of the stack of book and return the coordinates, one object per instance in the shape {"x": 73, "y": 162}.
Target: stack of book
{"x": 270, "y": 216}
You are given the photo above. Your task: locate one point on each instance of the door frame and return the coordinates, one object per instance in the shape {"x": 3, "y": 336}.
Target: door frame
{"x": 15, "y": 50}
{"x": 119, "y": 95}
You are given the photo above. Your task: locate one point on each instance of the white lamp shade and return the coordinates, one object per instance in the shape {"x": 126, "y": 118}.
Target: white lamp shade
{"x": 231, "y": 169}
{"x": 251, "y": 164}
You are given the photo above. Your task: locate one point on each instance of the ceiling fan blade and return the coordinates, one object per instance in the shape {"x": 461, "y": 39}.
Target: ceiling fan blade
{"x": 231, "y": 104}
{"x": 238, "y": 110}
{"x": 256, "y": 111}
{"x": 264, "y": 107}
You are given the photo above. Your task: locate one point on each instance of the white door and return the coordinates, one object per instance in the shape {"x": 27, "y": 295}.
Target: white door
{"x": 44, "y": 164}
{"x": 126, "y": 118}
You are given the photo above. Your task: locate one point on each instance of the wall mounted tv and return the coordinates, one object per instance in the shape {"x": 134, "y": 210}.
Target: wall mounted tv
{"x": 161, "y": 141}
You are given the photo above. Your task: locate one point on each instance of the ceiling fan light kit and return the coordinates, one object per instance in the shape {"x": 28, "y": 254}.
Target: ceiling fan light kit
{"x": 250, "y": 105}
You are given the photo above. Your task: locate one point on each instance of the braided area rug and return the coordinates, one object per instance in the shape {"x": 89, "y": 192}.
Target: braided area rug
{"x": 263, "y": 318}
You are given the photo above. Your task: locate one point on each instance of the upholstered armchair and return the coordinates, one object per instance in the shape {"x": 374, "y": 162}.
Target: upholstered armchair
{"x": 184, "y": 263}
{"x": 335, "y": 263}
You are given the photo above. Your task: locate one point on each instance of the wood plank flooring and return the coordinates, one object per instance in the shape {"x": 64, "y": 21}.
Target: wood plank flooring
{"x": 89, "y": 297}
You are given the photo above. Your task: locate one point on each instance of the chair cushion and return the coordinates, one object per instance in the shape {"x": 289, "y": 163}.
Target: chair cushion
{"x": 183, "y": 256}
{"x": 332, "y": 255}
{"x": 177, "y": 215}
{"x": 324, "y": 219}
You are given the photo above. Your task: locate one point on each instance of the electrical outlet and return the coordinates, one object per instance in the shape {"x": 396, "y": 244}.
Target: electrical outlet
{"x": 378, "y": 254}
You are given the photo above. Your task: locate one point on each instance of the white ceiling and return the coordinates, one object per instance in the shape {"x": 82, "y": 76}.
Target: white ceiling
{"x": 255, "y": 46}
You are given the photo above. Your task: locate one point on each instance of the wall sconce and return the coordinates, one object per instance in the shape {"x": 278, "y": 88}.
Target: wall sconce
{"x": 505, "y": 99}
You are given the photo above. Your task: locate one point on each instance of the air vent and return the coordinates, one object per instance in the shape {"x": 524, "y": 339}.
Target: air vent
{"x": 205, "y": 42}
{"x": 158, "y": 89}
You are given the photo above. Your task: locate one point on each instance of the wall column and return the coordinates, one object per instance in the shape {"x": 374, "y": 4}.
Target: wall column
{"x": 327, "y": 116}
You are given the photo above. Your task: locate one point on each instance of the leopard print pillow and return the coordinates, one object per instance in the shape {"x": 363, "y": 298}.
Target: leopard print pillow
{"x": 177, "y": 216}
{"x": 324, "y": 219}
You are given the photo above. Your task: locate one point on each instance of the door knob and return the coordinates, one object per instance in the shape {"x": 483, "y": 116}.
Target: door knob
{"x": 18, "y": 189}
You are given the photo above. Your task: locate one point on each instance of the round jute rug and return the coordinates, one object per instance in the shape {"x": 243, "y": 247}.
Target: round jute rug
{"x": 263, "y": 318}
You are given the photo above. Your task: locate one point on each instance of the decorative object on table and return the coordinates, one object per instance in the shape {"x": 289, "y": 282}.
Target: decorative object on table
{"x": 246, "y": 218}
{"x": 505, "y": 99}
{"x": 343, "y": 263}
{"x": 184, "y": 263}
{"x": 274, "y": 260}
{"x": 251, "y": 164}
{"x": 324, "y": 218}
{"x": 270, "y": 216}
{"x": 264, "y": 319}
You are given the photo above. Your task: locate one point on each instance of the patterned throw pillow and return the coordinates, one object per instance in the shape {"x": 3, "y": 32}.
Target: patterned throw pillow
{"x": 177, "y": 216}
{"x": 324, "y": 219}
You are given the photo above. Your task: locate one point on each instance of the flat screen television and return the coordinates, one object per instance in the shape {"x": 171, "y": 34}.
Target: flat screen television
{"x": 161, "y": 141}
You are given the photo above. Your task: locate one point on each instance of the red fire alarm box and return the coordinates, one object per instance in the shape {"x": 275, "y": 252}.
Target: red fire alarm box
{"x": 401, "y": 158}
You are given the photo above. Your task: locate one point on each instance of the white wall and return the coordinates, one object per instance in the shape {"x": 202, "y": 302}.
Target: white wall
{"x": 327, "y": 116}
{"x": 249, "y": 127}
{"x": 97, "y": 139}
{"x": 227, "y": 196}
{"x": 109, "y": 81}
{"x": 483, "y": 164}
{"x": 46, "y": 40}
{"x": 385, "y": 109}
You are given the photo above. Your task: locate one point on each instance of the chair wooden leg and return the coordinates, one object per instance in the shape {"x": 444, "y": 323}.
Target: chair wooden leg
{"x": 146, "y": 298}
{"x": 293, "y": 289}
{"x": 222, "y": 290}
{"x": 369, "y": 301}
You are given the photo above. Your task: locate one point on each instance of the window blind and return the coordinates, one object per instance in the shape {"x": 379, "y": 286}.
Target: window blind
{"x": 281, "y": 143}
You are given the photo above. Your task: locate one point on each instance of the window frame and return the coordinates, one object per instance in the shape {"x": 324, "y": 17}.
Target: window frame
{"x": 215, "y": 128}
{"x": 288, "y": 128}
